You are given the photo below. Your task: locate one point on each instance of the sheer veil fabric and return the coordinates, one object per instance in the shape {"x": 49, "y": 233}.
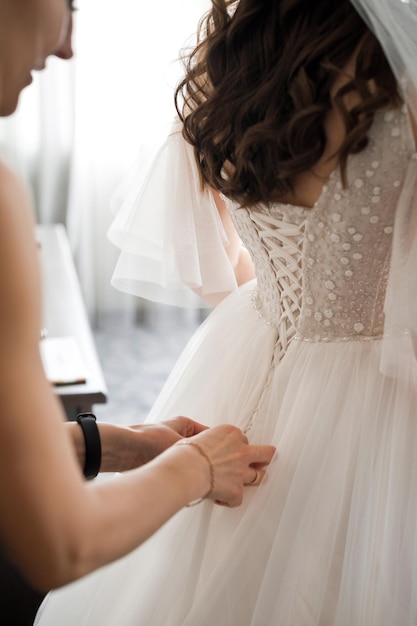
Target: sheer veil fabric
{"x": 394, "y": 22}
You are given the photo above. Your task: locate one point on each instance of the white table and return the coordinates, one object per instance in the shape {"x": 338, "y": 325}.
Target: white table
{"x": 64, "y": 315}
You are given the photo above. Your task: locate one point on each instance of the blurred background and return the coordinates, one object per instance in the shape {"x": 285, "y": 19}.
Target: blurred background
{"x": 77, "y": 130}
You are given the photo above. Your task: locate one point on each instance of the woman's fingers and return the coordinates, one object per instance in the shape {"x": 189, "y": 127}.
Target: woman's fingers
{"x": 234, "y": 462}
{"x": 184, "y": 426}
{"x": 259, "y": 459}
{"x": 261, "y": 455}
{"x": 257, "y": 478}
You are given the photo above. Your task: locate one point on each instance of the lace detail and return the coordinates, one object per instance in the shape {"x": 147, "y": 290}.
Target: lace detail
{"x": 322, "y": 272}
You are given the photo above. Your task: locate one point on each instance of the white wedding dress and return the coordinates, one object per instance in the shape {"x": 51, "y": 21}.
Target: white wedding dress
{"x": 294, "y": 358}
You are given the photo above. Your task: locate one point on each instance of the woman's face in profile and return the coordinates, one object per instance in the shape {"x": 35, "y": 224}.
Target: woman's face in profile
{"x": 30, "y": 31}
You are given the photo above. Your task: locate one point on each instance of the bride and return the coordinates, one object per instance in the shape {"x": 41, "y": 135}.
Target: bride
{"x": 296, "y": 136}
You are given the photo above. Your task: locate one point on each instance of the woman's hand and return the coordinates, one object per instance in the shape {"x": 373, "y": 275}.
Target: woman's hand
{"x": 146, "y": 441}
{"x": 231, "y": 462}
{"x": 234, "y": 462}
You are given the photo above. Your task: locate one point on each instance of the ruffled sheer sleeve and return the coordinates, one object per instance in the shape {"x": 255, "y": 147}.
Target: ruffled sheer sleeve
{"x": 171, "y": 239}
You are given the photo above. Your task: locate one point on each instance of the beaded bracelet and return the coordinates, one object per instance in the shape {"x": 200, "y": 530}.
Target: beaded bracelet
{"x": 212, "y": 478}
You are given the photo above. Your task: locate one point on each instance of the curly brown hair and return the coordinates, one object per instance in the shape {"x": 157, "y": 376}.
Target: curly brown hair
{"x": 256, "y": 92}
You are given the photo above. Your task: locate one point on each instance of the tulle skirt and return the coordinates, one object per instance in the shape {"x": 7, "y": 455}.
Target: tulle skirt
{"x": 329, "y": 537}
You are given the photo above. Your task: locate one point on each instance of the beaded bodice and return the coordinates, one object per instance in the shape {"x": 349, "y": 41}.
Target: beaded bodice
{"x": 322, "y": 272}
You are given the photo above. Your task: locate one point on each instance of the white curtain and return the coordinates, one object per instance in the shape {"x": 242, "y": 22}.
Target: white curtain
{"x": 82, "y": 123}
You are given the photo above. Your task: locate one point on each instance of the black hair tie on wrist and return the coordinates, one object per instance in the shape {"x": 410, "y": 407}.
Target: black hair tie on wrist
{"x": 88, "y": 424}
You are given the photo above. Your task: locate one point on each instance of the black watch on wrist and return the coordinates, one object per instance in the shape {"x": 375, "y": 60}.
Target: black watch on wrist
{"x": 92, "y": 464}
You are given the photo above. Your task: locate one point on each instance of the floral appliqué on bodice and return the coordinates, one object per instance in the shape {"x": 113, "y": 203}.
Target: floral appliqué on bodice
{"x": 322, "y": 272}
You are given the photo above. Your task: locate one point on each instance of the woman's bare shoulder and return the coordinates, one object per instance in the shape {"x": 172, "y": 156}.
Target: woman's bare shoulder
{"x": 19, "y": 272}
{"x": 16, "y": 208}
{"x": 12, "y": 190}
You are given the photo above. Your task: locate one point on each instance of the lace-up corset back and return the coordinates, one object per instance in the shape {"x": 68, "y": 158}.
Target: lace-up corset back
{"x": 322, "y": 272}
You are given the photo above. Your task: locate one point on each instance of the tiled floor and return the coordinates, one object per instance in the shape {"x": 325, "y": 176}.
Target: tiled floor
{"x": 137, "y": 358}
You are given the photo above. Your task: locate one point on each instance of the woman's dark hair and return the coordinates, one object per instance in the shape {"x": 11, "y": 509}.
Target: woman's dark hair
{"x": 255, "y": 93}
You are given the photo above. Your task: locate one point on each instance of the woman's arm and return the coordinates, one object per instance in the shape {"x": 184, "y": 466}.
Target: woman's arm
{"x": 238, "y": 255}
{"x": 54, "y": 524}
{"x": 127, "y": 447}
